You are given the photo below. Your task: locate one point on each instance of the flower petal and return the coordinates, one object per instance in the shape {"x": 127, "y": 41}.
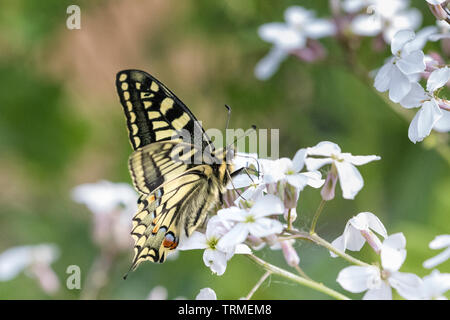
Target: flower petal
{"x": 339, "y": 244}
{"x": 353, "y": 238}
{"x": 383, "y": 77}
{"x": 384, "y": 292}
{"x": 412, "y": 63}
{"x": 299, "y": 160}
{"x": 297, "y": 15}
{"x": 267, "y": 66}
{"x": 264, "y": 227}
{"x": 350, "y": 179}
{"x": 206, "y": 294}
{"x": 267, "y": 205}
{"x": 440, "y": 242}
{"x": 438, "y": 78}
{"x": 443, "y": 124}
{"x": 314, "y": 179}
{"x": 438, "y": 259}
{"x": 359, "y": 160}
{"x": 399, "y": 85}
{"x": 366, "y": 25}
{"x": 375, "y": 224}
{"x": 197, "y": 240}
{"x": 415, "y": 97}
{"x": 408, "y": 285}
{"x": 355, "y": 278}
{"x": 319, "y": 28}
{"x": 324, "y": 148}
{"x": 216, "y": 260}
{"x": 393, "y": 252}
{"x": 313, "y": 164}
{"x": 424, "y": 121}
{"x": 236, "y": 235}
{"x": 400, "y": 39}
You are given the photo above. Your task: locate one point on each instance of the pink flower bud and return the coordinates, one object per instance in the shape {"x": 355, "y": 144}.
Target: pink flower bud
{"x": 313, "y": 51}
{"x": 290, "y": 196}
{"x": 372, "y": 240}
{"x": 290, "y": 255}
{"x": 438, "y": 11}
{"x": 329, "y": 186}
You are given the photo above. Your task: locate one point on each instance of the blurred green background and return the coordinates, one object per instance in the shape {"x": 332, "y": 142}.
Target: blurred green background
{"x": 61, "y": 125}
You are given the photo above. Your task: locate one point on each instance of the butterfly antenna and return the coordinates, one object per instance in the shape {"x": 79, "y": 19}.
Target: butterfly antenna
{"x": 234, "y": 187}
{"x": 228, "y": 116}
{"x": 251, "y": 157}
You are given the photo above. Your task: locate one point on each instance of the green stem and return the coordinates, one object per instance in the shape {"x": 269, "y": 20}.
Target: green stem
{"x": 316, "y": 216}
{"x": 258, "y": 284}
{"x": 314, "y": 237}
{"x": 300, "y": 280}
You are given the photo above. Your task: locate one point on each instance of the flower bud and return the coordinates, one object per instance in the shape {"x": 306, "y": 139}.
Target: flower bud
{"x": 313, "y": 51}
{"x": 290, "y": 215}
{"x": 329, "y": 186}
{"x": 290, "y": 255}
{"x": 372, "y": 240}
{"x": 290, "y": 196}
{"x": 438, "y": 11}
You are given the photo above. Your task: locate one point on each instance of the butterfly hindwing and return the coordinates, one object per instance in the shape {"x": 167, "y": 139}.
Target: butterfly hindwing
{"x": 156, "y": 163}
{"x": 179, "y": 203}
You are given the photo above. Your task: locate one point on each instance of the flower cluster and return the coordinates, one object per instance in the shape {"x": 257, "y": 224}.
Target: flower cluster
{"x": 377, "y": 281}
{"x": 400, "y": 76}
{"x": 268, "y": 189}
{"x": 35, "y": 261}
{"x": 391, "y": 22}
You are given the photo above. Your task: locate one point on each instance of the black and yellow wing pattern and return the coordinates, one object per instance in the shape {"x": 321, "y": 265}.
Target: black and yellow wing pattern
{"x": 177, "y": 189}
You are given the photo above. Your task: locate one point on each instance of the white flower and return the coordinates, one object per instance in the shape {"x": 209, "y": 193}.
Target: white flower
{"x": 253, "y": 221}
{"x": 35, "y": 260}
{"x": 353, "y": 6}
{"x": 378, "y": 283}
{"x": 158, "y": 293}
{"x": 287, "y": 170}
{"x": 206, "y": 294}
{"x": 396, "y": 74}
{"x": 442, "y": 31}
{"x": 430, "y": 113}
{"x": 350, "y": 179}
{"x": 105, "y": 197}
{"x": 359, "y": 229}
{"x": 215, "y": 256}
{"x": 435, "y": 285}
{"x": 300, "y": 25}
{"x": 113, "y": 206}
{"x": 435, "y": 2}
{"x": 440, "y": 242}
{"x": 387, "y": 17}
{"x": 247, "y": 179}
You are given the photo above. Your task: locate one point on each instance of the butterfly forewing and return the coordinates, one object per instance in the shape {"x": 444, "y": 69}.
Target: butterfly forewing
{"x": 153, "y": 112}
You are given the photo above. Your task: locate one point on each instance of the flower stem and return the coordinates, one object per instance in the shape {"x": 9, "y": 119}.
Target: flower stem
{"x": 300, "y": 280}
{"x": 314, "y": 237}
{"x": 301, "y": 272}
{"x": 316, "y": 216}
{"x": 258, "y": 284}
